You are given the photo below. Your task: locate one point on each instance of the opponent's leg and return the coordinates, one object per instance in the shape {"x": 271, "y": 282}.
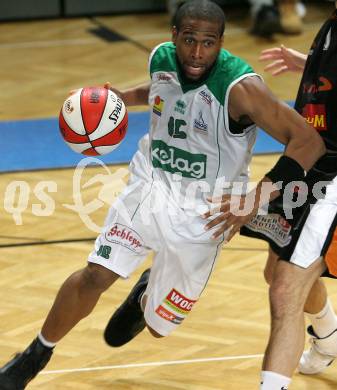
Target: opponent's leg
{"x": 323, "y": 328}
{"x": 288, "y": 293}
{"x": 74, "y": 301}
{"x": 270, "y": 266}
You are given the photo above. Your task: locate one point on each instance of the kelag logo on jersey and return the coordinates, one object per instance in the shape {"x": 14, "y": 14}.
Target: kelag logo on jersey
{"x": 315, "y": 114}
{"x": 158, "y": 105}
{"x": 176, "y": 160}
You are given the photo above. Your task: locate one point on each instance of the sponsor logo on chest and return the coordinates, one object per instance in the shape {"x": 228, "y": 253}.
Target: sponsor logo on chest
{"x": 200, "y": 124}
{"x": 158, "y": 105}
{"x": 175, "y": 160}
{"x": 315, "y": 114}
{"x": 180, "y": 107}
{"x": 323, "y": 85}
{"x": 206, "y": 97}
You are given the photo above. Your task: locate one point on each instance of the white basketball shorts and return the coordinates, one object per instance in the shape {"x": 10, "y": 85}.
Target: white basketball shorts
{"x": 144, "y": 219}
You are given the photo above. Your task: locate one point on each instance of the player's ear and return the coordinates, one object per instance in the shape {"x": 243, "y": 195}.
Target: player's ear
{"x": 174, "y": 34}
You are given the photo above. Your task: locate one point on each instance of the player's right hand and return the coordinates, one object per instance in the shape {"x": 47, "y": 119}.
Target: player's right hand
{"x": 283, "y": 60}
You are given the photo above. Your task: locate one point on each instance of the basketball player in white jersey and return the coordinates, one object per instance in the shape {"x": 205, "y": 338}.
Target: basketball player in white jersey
{"x": 205, "y": 104}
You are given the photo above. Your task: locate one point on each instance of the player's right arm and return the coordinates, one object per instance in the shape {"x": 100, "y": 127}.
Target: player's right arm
{"x": 135, "y": 96}
{"x": 283, "y": 60}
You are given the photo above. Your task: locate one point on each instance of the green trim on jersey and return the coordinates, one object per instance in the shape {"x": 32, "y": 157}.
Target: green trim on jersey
{"x": 164, "y": 59}
{"x": 226, "y": 69}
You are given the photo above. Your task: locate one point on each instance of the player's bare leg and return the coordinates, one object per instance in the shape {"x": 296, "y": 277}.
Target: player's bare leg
{"x": 288, "y": 293}
{"x": 76, "y": 299}
{"x": 323, "y": 324}
{"x": 318, "y": 295}
{"x": 317, "y": 298}
{"x": 270, "y": 266}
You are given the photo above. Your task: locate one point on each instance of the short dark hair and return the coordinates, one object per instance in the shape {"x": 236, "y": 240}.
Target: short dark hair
{"x": 200, "y": 10}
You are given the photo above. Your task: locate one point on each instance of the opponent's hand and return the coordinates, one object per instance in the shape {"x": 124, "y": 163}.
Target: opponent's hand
{"x": 283, "y": 60}
{"x": 235, "y": 211}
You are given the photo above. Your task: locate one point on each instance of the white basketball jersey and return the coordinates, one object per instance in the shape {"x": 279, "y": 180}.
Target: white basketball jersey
{"x": 193, "y": 149}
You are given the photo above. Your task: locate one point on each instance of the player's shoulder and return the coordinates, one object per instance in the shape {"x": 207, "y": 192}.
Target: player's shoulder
{"x": 228, "y": 71}
{"x": 232, "y": 65}
{"x": 163, "y": 58}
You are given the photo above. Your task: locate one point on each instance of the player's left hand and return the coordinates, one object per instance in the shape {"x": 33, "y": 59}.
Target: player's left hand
{"x": 235, "y": 211}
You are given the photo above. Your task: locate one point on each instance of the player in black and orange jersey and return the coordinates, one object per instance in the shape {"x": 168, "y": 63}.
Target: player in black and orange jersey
{"x": 313, "y": 225}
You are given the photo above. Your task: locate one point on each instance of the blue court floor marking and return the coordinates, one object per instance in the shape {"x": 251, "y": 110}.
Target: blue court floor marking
{"x": 37, "y": 144}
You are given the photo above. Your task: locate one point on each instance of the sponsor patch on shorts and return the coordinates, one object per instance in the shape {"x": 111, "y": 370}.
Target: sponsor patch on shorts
{"x": 123, "y": 235}
{"x": 273, "y": 226}
{"x": 179, "y": 302}
{"x": 168, "y": 316}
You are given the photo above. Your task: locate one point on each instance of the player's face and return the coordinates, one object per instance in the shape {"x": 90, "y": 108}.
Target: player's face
{"x": 198, "y": 43}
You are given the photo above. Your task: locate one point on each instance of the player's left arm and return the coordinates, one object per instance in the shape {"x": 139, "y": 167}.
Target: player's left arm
{"x": 251, "y": 98}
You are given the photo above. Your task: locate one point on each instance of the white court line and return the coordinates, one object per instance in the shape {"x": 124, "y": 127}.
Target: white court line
{"x": 151, "y": 364}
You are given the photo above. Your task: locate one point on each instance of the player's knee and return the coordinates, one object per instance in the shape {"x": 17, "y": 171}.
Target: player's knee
{"x": 154, "y": 333}
{"x": 96, "y": 277}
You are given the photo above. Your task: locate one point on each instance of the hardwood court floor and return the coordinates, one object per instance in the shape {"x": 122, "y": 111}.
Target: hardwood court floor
{"x": 220, "y": 344}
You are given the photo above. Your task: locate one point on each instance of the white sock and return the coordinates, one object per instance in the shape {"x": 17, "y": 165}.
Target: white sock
{"x": 324, "y": 322}
{"x": 45, "y": 342}
{"x": 274, "y": 381}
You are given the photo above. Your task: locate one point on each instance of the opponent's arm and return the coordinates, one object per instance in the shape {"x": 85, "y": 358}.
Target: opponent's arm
{"x": 283, "y": 60}
{"x": 134, "y": 96}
